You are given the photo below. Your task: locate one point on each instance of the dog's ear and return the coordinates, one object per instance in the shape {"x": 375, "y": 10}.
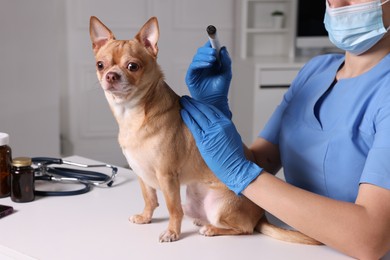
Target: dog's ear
{"x": 148, "y": 36}
{"x": 99, "y": 33}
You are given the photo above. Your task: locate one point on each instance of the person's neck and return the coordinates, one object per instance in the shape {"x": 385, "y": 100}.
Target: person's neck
{"x": 357, "y": 65}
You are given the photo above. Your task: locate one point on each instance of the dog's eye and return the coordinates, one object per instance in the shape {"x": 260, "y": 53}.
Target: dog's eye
{"x": 100, "y": 65}
{"x": 132, "y": 66}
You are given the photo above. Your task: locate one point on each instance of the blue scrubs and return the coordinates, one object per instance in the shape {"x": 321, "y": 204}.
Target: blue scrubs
{"x": 333, "y": 135}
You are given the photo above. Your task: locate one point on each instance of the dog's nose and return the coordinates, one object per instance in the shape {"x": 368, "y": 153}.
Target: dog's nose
{"x": 111, "y": 77}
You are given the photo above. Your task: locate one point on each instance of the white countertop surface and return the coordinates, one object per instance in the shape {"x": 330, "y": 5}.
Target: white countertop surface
{"x": 95, "y": 226}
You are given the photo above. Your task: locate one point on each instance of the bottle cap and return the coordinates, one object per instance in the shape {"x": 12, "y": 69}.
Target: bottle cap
{"x": 4, "y": 139}
{"x": 21, "y": 161}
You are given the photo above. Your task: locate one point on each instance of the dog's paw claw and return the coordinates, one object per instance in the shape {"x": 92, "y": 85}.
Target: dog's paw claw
{"x": 168, "y": 236}
{"x": 139, "y": 219}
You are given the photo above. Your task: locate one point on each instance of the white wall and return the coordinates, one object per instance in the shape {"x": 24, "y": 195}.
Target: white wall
{"x": 31, "y": 74}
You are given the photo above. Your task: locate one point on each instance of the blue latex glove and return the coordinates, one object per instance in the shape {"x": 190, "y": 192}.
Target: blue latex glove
{"x": 208, "y": 79}
{"x": 219, "y": 144}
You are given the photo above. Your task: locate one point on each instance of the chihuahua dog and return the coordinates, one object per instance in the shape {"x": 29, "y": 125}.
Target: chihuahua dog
{"x": 159, "y": 147}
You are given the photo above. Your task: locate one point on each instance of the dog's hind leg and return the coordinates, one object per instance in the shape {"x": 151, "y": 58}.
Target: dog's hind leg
{"x": 229, "y": 214}
{"x": 194, "y": 206}
{"x": 210, "y": 230}
{"x": 151, "y": 203}
{"x": 228, "y": 224}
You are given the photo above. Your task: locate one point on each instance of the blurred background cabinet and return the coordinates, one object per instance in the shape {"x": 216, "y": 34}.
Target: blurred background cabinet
{"x": 267, "y": 28}
{"x": 266, "y": 63}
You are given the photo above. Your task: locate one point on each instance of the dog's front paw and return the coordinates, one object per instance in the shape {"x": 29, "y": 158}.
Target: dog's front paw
{"x": 140, "y": 219}
{"x": 169, "y": 236}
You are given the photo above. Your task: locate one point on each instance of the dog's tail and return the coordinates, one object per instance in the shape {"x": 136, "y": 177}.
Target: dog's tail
{"x": 268, "y": 229}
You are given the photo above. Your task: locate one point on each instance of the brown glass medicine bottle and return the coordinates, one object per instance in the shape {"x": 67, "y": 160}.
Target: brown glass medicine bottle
{"x": 22, "y": 180}
{"x": 5, "y": 166}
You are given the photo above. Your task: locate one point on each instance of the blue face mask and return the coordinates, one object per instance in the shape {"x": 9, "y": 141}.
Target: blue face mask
{"x": 355, "y": 28}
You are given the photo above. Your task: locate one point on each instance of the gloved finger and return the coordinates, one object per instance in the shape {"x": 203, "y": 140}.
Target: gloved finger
{"x": 201, "y": 64}
{"x": 202, "y": 60}
{"x": 195, "y": 112}
{"x": 203, "y": 114}
{"x": 206, "y": 50}
{"x": 211, "y": 113}
{"x": 194, "y": 128}
{"x": 205, "y": 54}
{"x": 194, "y": 73}
{"x": 226, "y": 62}
{"x": 207, "y": 44}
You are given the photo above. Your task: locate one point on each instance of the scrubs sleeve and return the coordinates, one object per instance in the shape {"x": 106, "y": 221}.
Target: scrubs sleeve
{"x": 272, "y": 128}
{"x": 377, "y": 167}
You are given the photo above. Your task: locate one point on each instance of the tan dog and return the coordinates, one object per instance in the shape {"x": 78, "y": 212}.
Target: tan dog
{"x": 159, "y": 147}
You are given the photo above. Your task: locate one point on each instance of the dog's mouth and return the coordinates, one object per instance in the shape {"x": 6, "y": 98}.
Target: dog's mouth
{"x": 116, "y": 88}
{"x": 120, "y": 93}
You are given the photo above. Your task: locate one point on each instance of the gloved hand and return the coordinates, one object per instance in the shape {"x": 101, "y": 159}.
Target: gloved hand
{"x": 219, "y": 144}
{"x": 208, "y": 79}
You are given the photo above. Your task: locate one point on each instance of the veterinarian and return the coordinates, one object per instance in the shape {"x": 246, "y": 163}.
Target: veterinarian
{"x": 330, "y": 133}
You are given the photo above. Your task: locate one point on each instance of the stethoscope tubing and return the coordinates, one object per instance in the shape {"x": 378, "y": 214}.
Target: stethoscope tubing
{"x": 62, "y": 174}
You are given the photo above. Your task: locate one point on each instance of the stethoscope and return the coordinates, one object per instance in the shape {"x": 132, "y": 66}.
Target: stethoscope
{"x": 88, "y": 179}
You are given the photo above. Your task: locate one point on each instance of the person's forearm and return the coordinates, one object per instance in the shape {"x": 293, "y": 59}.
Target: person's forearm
{"x": 264, "y": 154}
{"x": 343, "y": 226}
